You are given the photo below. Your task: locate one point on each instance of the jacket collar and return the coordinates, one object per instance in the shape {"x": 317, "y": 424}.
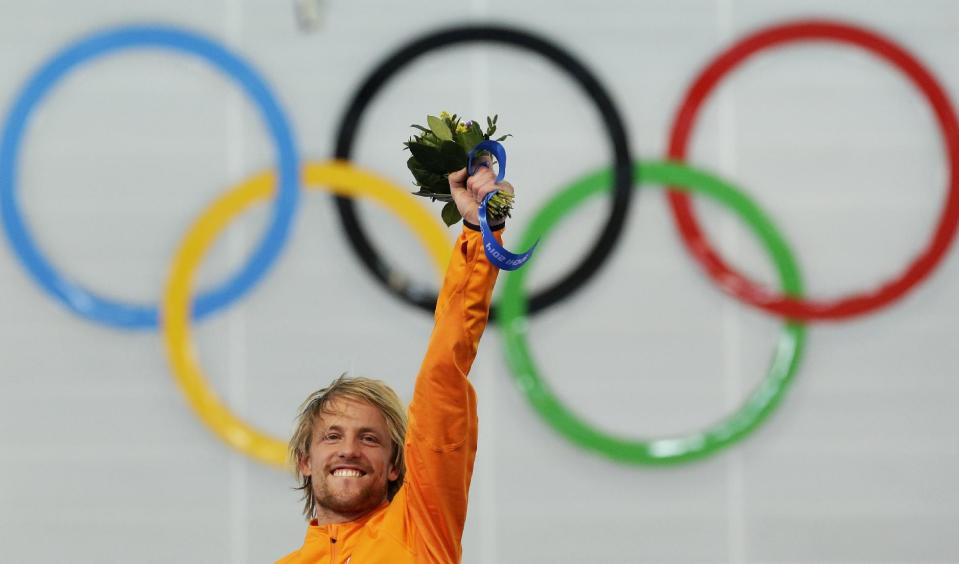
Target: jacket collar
{"x": 316, "y": 532}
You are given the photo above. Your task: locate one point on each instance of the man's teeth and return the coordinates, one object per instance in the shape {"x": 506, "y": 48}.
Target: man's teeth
{"x": 347, "y": 472}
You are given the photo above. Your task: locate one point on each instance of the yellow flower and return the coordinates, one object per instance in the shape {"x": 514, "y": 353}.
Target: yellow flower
{"x": 444, "y": 115}
{"x": 461, "y": 128}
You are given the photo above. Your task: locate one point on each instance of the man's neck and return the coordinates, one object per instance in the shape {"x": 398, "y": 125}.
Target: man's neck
{"x": 325, "y": 516}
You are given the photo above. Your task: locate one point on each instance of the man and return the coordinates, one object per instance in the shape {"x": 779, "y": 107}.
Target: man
{"x": 379, "y": 490}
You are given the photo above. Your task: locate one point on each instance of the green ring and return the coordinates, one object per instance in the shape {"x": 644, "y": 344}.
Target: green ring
{"x": 681, "y": 448}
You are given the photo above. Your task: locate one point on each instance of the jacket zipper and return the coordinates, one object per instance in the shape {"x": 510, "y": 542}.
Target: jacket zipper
{"x": 332, "y": 544}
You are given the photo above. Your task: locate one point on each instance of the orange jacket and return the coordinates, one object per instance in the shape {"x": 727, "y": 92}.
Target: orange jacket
{"x": 424, "y": 522}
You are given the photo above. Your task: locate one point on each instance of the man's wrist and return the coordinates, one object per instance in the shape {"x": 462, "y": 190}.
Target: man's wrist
{"x": 475, "y": 227}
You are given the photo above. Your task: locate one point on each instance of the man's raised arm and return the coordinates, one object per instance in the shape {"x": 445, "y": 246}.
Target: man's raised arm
{"x": 442, "y": 434}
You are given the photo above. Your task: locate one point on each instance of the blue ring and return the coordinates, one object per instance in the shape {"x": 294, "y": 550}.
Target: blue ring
{"x": 99, "y": 308}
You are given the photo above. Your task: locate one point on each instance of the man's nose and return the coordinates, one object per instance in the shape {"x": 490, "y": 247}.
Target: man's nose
{"x": 349, "y": 448}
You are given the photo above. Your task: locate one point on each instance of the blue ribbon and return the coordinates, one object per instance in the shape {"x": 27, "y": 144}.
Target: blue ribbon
{"x": 496, "y": 253}
{"x": 494, "y": 147}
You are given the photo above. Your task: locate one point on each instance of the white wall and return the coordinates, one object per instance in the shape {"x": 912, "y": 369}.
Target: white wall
{"x": 101, "y": 460}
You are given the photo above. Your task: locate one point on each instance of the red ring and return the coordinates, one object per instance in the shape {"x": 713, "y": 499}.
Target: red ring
{"x": 753, "y": 293}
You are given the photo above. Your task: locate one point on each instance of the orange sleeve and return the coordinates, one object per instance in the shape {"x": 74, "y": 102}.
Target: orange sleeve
{"x": 442, "y": 433}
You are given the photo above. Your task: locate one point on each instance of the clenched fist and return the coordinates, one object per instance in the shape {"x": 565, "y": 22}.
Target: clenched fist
{"x": 469, "y": 191}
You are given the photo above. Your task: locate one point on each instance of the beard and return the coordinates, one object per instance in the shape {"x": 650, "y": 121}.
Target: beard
{"x": 348, "y": 500}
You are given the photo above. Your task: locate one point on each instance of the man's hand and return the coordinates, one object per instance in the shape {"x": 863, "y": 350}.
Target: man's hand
{"x": 469, "y": 191}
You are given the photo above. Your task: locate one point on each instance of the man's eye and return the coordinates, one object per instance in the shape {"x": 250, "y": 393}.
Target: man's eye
{"x": 331, "y": 436}
{"x": 372, "y": 439}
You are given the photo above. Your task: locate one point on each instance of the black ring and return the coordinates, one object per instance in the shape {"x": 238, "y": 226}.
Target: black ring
{"x": 399, "y": 283}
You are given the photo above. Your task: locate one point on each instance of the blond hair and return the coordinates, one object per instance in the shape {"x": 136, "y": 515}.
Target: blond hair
{"x": 374, "y": 392}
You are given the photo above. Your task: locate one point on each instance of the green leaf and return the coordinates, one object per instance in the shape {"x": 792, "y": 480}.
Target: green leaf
{"x": 439, "y": 128}
{"x": 446, "y": 158}
{"x": 439, "y": 187}
{"x": 427, "y": 155}
{"x": 430, "y": 139}
{"x": 425, "y": 177}
{"x": 470, "y": 138}
{"x": 454, "y": 156}
{"x": 451, "y": 214}
{"x": 492, "y": 126}
{"x": 434, "y": 195}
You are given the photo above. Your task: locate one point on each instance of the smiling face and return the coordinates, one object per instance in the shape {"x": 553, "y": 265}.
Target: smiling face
{"x": 349, "y": 460}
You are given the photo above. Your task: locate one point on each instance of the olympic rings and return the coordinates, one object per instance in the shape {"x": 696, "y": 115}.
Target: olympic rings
{"x": 747, "y": 418}
{"x": 338, "y": 177}
{"x": 347, "y": 182}
{"x": 82, "y": 301}
{"x": 737, "y": 284}
{"x": 425, "y": 299}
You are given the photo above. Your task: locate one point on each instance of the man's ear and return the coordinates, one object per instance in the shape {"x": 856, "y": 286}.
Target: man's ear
{"x": 393, "y": 474}
{"x": 304, "y": 465}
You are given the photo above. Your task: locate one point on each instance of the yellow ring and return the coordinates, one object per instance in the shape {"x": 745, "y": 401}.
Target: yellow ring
{"x": 333, "y": 176}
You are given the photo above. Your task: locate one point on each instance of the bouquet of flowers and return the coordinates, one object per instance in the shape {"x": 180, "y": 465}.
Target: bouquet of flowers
{"x": 441, "y": 148}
